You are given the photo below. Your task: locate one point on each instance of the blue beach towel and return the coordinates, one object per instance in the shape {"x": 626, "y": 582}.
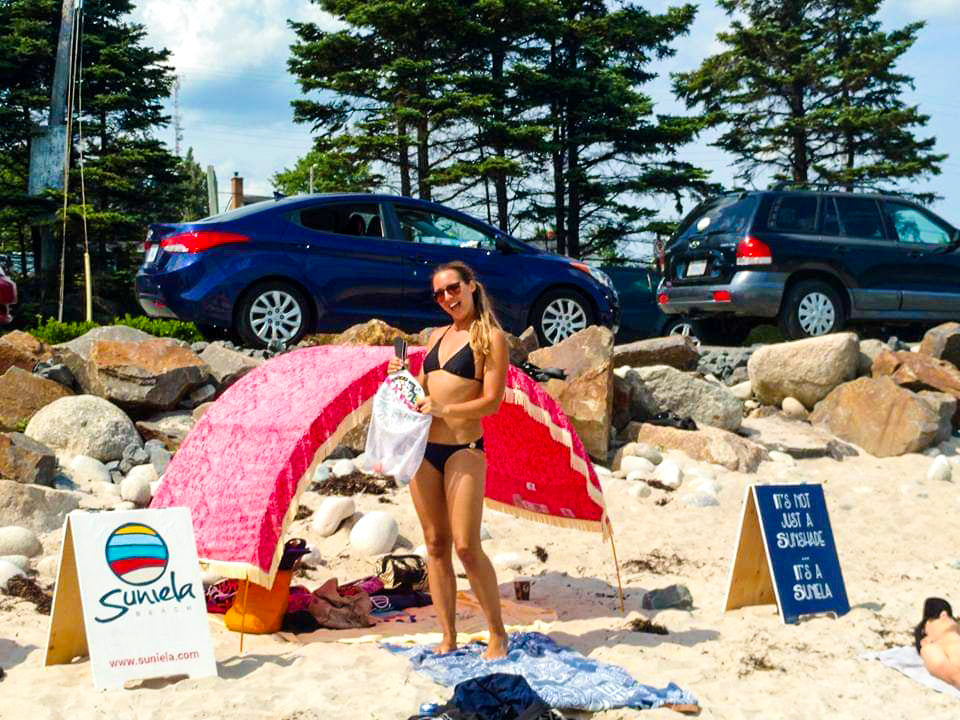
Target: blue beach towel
{"x": 561, "y": 676}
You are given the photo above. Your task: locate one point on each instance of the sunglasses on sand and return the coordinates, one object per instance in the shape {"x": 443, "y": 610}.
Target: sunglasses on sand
{"x": 451, "y": 289}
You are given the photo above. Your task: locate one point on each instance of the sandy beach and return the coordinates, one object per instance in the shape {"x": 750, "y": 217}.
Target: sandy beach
{"x": 895, "y": 532}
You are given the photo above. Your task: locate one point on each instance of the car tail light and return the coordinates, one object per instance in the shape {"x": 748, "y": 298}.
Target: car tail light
{"x": 663, "y": 298}
{"x": 722, "y": 296}
{"x": 197, "y": 242}
{"x": 751, "y": 251}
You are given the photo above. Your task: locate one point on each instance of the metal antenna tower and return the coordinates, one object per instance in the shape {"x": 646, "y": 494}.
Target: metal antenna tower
{"x": 177, "y": 119}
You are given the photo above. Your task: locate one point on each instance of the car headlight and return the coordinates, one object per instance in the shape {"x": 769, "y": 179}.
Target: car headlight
{"x": 599, "y": 275}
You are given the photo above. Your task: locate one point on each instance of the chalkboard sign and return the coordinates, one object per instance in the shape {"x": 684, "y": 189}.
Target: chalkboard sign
{"x": 786, "y": 554}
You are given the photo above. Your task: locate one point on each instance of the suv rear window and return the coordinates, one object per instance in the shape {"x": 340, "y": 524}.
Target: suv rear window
{"x": 724, "y": 214}
{"x": 793, "y": 213}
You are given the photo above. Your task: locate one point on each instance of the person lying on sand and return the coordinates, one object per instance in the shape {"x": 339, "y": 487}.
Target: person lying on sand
{"x": 938, "y": 641}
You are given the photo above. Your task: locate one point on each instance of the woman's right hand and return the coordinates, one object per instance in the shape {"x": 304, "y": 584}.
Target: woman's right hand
{"x": 395, "y": 365}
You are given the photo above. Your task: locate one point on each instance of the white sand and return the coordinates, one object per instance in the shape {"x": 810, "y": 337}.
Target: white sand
{"x": 894, "y": 547}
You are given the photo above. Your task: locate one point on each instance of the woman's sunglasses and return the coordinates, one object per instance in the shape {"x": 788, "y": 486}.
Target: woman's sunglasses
{"x": 451, "y": 289}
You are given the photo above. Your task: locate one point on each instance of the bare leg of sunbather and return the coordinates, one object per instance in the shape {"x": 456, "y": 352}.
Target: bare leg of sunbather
{"x": 430, "y": 502}
{"x": 464, "y": 478}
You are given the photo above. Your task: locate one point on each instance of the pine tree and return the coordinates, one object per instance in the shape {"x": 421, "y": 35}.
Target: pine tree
{"x": 808, "y": 90}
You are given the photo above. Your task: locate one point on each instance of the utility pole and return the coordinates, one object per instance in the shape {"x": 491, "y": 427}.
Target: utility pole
{"x": 177, "y": 119}
{"x": 48, "y": 147}
{"x": 213, "y": 199}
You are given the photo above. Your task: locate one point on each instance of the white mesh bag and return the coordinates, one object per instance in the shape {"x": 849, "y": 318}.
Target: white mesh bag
{"x": 398, "y": 431}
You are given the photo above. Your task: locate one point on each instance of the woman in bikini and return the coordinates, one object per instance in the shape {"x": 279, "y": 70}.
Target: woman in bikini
{"x": 464, "y": 373}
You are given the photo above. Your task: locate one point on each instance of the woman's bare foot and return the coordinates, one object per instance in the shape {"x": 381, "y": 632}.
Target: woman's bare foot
{"x": 446, "y": 645}
{"x": 497, "y": 647}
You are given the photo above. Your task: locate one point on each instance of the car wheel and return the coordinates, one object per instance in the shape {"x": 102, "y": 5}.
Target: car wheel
{"x": 811, "y": 308}
{"x": 273, "y": 313}
{"x": 683, "y": 326}
{"x": 561, "y": 313}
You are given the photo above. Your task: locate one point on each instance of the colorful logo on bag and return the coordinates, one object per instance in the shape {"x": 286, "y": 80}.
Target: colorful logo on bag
{"x": 137, "y": 554}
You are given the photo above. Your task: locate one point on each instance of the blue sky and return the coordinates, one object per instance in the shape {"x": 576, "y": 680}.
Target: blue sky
{"x": 235, "y": 94}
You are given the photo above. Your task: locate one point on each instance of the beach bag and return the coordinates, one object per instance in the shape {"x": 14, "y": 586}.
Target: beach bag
{"x": 402, "y": 572}
{"x": 398, "y": 431}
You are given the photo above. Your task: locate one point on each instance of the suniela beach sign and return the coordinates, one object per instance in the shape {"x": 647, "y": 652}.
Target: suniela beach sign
{"x": 786, "y": 554}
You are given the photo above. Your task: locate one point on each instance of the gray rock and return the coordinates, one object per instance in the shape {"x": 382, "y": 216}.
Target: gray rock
{"x": 133, "y": 454}
{"x": 649, "y": 452}
{"x": 199, "y": 346}
{"x": 204, "y": 393}
{"x": 631, "y": 464}
{"x": 673, "y": 596}
{"x": 687, "y": 396}
{"x": 169, "y": 428}
{"x": 341, "y": 452}
{"x": 226, "y": 365}
{"x": 58, "y": 372}
{"x": 793, "y": 408}
{"x": 84, "y": 425}
{"x": 38, "y": 508}
{"x": 16, "y": 540}
{"x": 159, "y": 456}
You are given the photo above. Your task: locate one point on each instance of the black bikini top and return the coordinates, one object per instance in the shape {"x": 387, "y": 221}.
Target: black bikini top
{"x": 460, "y": 363}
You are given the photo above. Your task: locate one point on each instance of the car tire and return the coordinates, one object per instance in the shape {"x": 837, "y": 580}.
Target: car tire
{"x": 811, "y": 308}
{"x": 274, "y": 311}
{"x": 683, "y": 326}
{"x": 560, "y": 313}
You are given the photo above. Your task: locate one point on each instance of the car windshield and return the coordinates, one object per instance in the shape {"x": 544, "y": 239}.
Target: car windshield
{"x": 724, "y": 214}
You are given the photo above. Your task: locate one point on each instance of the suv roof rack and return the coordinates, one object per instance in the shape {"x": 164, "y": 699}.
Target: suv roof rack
{"x": 787, "y": 184}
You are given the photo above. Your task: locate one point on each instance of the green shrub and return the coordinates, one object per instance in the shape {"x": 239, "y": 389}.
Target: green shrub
{"x": 53, "y": 331}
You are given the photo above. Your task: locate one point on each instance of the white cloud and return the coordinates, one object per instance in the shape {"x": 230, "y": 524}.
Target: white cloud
{"x": 929, "y": 9}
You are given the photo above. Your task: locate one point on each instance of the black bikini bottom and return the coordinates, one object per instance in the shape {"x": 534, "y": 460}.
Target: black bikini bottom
{"x": 437, "y": 454}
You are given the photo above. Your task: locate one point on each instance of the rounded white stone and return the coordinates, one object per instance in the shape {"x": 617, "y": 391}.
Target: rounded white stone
{"x": 106, "y": 490}
{"x": 15, "y": 540}
{"x": 508, "y": 561}
{"x": 125, "y": 505}
{"x": 21, "y": 561}
{"x": 342, "y": 468}
{"x": 700, "y": 499}
{"x": 633, "y": 463}
{"x": 602, "y": 471}
{"x": 670, "y": 474}
{"x": 639, "y": 490}
{"x": 710, "y": 487}
{"x": 649, "y": 452}
{"x": 637, "y": 476}
{"x": 374, "y": 534}
{"x": 47, "y": 566}
{"x": 782, "y": 457}
{"x": 742, "y": 391}
{"x": 332, "y": 511}
{"x": 8, "y": 570}
{"x": 940, "y": 469}
{"x": 322, "y": 473}
{"x": 86, "y": 471}
{"x": 135, "y": 487}
{"x": 793, "y": 408}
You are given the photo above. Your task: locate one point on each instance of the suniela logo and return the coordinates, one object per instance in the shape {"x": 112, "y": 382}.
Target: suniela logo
{"x": 138, "y": 556}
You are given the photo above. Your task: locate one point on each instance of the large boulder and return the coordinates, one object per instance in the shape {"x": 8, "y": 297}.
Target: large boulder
{"x": 707, "y": 444}
{"x": 169, "y": 428}
{"x": 688, "y": 396}
{"x": 84, "y": 425}
{"x": 796, "y": 438}
{"x": 131, "y": 368}
{"x": 22, "y": 394}
{"x": 15, "y": 356}
{"x": 40, "y": 509}
{"x": 677, "y": 351}
{"x": 586, "y": 396}
{"x": 26, "y": 461}
{"x": 27, "y": 343}
{"x": 869, "y": 349}
{"x": 943, "y": 343}
{"x": 226, "y": 365}
{"x": 804, "y": 369}
{"x": 882, "y": 417}
{"x": 372, "y": 332}
{"x": 918, "y": 371}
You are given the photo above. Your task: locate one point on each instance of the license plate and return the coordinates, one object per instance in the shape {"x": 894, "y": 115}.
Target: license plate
{"x": 697, "y": 267}
{"x": 152, "y": 253}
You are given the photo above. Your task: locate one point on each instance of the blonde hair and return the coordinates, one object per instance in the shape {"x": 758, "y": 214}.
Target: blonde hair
{"x": 486, "y": 321}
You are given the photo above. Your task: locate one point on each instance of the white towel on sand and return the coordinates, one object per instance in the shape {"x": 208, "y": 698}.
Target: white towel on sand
{"x": 907, "y": 660}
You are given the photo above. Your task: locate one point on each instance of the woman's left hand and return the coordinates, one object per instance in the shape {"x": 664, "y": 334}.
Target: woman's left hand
{"x": 427, "y": 406}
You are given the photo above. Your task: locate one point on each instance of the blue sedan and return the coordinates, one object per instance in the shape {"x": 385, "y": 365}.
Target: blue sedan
{"x": 275, "y": 270}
